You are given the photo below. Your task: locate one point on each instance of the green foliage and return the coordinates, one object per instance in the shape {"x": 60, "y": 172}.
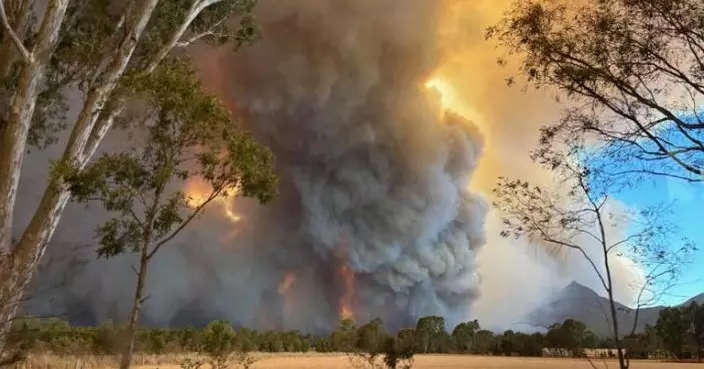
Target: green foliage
{"x": 106, "y": 339}
{"x": 680, "y": 330}
{"x": 431, "y": 335}
{"x": 323, "y": 345}
{"x": 371, "y": 337}
{"x": 633, "y": 71}
{"x": 187, "y": 133}
{"x": 572, "y": 336}
{"x": 344, "y": 338}
{"x": 229, "y": 21}
{"x": 672, "y": 328}
{"x": 463, "y": 335}
{"x": 189, "y": 339}
{"x": 90, "y": 34}
{"x": 482, "y": 341}
{"x": 399, "y": 351}
{"x": 696, "y": 313}
{"x": 221, "y": 343}
{"x": 156, "y": 340}
{"x": 218, "y": 338}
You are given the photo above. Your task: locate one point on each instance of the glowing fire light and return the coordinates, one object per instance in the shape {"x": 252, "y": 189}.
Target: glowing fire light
{"x": 450, "y": 101}
{"x": 347, "y": 276}
{"x": 198, "y": 191}
{"x": 289, "y": 279}
{"x": 346, "y": 313}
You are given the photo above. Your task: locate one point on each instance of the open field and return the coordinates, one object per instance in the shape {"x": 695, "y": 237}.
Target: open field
{"x": 340, "y": 361}
{"x": 336, "y": 361}
{"x": 457, "y": 362}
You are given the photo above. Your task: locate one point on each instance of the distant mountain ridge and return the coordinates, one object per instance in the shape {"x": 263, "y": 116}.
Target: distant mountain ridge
{"x": 582, "y": 303}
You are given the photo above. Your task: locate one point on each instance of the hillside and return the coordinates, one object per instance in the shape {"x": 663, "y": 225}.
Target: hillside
{"x": 579, "y": 302}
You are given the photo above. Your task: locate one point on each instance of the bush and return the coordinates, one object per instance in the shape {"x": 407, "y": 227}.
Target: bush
{"x": 218, "y": 339}
{"x": 323, "y": 345}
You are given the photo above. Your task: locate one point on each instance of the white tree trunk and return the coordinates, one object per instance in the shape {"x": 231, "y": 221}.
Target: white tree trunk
{"x": 83, "y": 142}
{"x": 30, "y": 249}
{"x": 105, "y": 124}
{"x": 14, "y": 138}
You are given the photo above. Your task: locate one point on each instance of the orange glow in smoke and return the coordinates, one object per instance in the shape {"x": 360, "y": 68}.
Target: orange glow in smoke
{"x": 198, "y": 191}
{"x": 347, "y": 276}
{"x": 450, "y": 101}
{"x": 289, "y": 279}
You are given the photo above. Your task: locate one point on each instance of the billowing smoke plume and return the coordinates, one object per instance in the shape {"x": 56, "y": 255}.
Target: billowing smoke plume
{"x": 372, "y": 177}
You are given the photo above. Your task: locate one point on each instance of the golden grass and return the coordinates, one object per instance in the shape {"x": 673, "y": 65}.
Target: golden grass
{"x": 340, "y": 361}
{"x": 46, "y": 361}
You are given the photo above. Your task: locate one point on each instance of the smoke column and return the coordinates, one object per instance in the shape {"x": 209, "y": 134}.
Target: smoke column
{"x": 374, "y": 176}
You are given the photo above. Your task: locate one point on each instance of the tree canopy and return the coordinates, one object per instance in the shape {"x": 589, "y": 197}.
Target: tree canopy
{"x": 94, "y": 50}
{"x": 633, "y": 75}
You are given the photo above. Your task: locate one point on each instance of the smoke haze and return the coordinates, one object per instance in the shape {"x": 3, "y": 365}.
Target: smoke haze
{"x": 383, "y": 207}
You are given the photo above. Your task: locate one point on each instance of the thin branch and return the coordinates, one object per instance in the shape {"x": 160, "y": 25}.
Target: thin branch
{"x": 209, "y": 32}
{"x": 26, "y": 55}
{"x": 621, "y": 242}
{"x": 588, "y": 233}
{"x": 584, "y": 253}
{"x": 185, "y": 222}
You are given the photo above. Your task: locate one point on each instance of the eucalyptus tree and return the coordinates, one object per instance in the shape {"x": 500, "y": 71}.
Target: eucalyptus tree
{"x": 87, "y": 47}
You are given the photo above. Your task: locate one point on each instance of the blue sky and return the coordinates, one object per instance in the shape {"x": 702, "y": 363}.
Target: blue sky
{"x": 687, "y": 201}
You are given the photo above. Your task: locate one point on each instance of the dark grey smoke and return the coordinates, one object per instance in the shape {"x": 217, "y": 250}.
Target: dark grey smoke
{"x": 372, "y": 177}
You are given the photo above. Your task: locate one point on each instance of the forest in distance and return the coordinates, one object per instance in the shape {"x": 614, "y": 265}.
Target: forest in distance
{"x": 678, "y": 335}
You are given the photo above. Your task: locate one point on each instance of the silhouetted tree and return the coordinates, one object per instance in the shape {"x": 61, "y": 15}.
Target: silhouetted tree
{"x": 463, "y": 335}
{"x": 672, "y": 329}
{"x": 371, "y": 337}
{"x": 575, "y": 215}
{"x": 698, "y": 328}
{"x": 633, "y": 74}
{"x": 344, "y": 338}
{"x": 430, "y": 334}
{"x": 483, "y": 342}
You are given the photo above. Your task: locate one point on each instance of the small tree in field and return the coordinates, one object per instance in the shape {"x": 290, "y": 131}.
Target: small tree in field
{"x": 576, "y": 217}
{"x": 187, "y": 133}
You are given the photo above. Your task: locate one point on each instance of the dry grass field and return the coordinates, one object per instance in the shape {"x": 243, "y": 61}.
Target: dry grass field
{"x": 340, "y": 361}
{"x": 456, "y": 362}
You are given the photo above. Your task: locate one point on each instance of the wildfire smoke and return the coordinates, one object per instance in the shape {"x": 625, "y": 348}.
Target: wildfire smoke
{"x": 350, "y": 96}
{"x": 289, "y": 279}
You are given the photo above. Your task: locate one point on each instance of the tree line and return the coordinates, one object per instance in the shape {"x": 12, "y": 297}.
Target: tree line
{"x": 678, "y": 334}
